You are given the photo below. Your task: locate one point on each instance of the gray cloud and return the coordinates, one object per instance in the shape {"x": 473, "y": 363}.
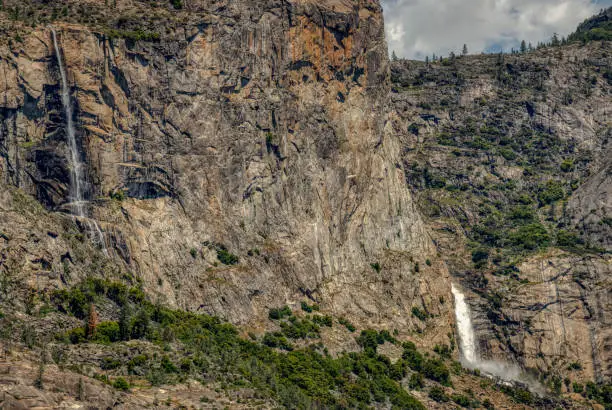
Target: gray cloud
{"x": 416, "y": 28}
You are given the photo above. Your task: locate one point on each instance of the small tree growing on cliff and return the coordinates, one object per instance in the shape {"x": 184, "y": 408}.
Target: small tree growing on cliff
{"x": 125, "y": 328}
{"x": 465, "y": 50}
{"x": 393, "y": 56}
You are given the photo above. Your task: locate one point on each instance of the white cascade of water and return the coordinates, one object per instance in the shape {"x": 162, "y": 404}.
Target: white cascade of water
{"x": 465, "y": 329}
{"x": 470, "y": 358}
{"x": 77, "y": 200}
{"x": 76, "y": 188}
{"x": 99, "y": 236}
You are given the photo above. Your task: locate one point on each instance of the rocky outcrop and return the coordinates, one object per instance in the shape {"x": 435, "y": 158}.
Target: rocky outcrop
{"x": 255, "y": 129}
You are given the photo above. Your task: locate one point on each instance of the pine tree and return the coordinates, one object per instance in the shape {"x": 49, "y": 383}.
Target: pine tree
{"x": 124, "y": 323}
{"x": 465, "y": 50}
{"x": 140, "y": 325}
{"x": 427, "y": 60}
{"x": 523, "y": 47}
{"x": 393, "y": 56}
{"x": 555, "y": 40}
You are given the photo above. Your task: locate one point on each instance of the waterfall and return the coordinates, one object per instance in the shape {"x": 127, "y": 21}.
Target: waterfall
{"x": 77, "y": 200}
{"x": 505, "y": 371}
{"x": 76, "y": 185}
{"x": 465, "y": 329}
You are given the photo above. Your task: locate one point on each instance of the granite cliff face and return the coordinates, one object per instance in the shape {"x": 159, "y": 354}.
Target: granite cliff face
{"x": 509, "y": 158}
{"x": 259, "y": 129}
{"x": 242, "y": 156}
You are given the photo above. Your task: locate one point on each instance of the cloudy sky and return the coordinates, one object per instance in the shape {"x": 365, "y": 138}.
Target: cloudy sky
{"x": 416, "y": 28}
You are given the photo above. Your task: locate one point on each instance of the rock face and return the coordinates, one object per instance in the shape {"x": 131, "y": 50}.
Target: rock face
{"x": 256, "y": 130}
{"x": 486, "y": 141}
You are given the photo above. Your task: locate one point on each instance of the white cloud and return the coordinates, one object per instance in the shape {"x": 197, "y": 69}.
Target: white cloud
{"x": 416, "y": 28}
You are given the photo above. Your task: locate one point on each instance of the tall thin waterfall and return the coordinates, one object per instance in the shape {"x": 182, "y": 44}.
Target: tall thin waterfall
{"x": 77, "y": 197}
{"x": 465, "y": 330}
{"x": 76, "y": 185}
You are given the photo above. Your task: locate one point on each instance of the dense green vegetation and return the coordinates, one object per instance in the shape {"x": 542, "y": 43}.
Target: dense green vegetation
{"x": 301, "y": 378}
{"x": 596, "y": 28}
{"x": 176, "y": 345}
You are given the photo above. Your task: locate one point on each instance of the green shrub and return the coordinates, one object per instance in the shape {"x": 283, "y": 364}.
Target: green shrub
{"x": 137, "y": 361}
{"x": 519, "y": 394}
{"x": 300, "y": 329}
{"x": 443, "y": 350}
{"x": 227, "y": 258}
{"x": 140, "y": 325}
{"x": 301, "y": 377}
{"x": 107, "y": 332}
{"x": 413, "y": 358}
{"x": 566, "y": 238}
{"x": 435, "y": 369}
{"x": 369, "y": 340}
{"x": 416, "y": 381}
{"x": 461, "y": 400}
{"x": 121, "y": 384}
{"x": 276, "y": 340}
{"x": 376, "y": 267}
{"x": 110, "y": 363}
{"x": 567, "y": 165}
{"x": 553, "y": 191}
{"x": 445, "y": 139}
{"x": 168, "y": 366}
{"x": 437, "y": 394}
{"x": 77, "y": 335}
{"x": 308, "y": 308}
{"x": 508, "y": 154}
{"x": 323, "y": 320}
{"x": 186, "y": 365}
{"x": 419, "y": 314}
{"x": 524, "y": 213}
{"x": 577, "y": 387}
{"x": 532, "y": 236}
{"x": 117, "y": 195}
{"x": 480, "y": 256}
{"x": 277, "y": 314}
{"x": 349, "y": 326}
